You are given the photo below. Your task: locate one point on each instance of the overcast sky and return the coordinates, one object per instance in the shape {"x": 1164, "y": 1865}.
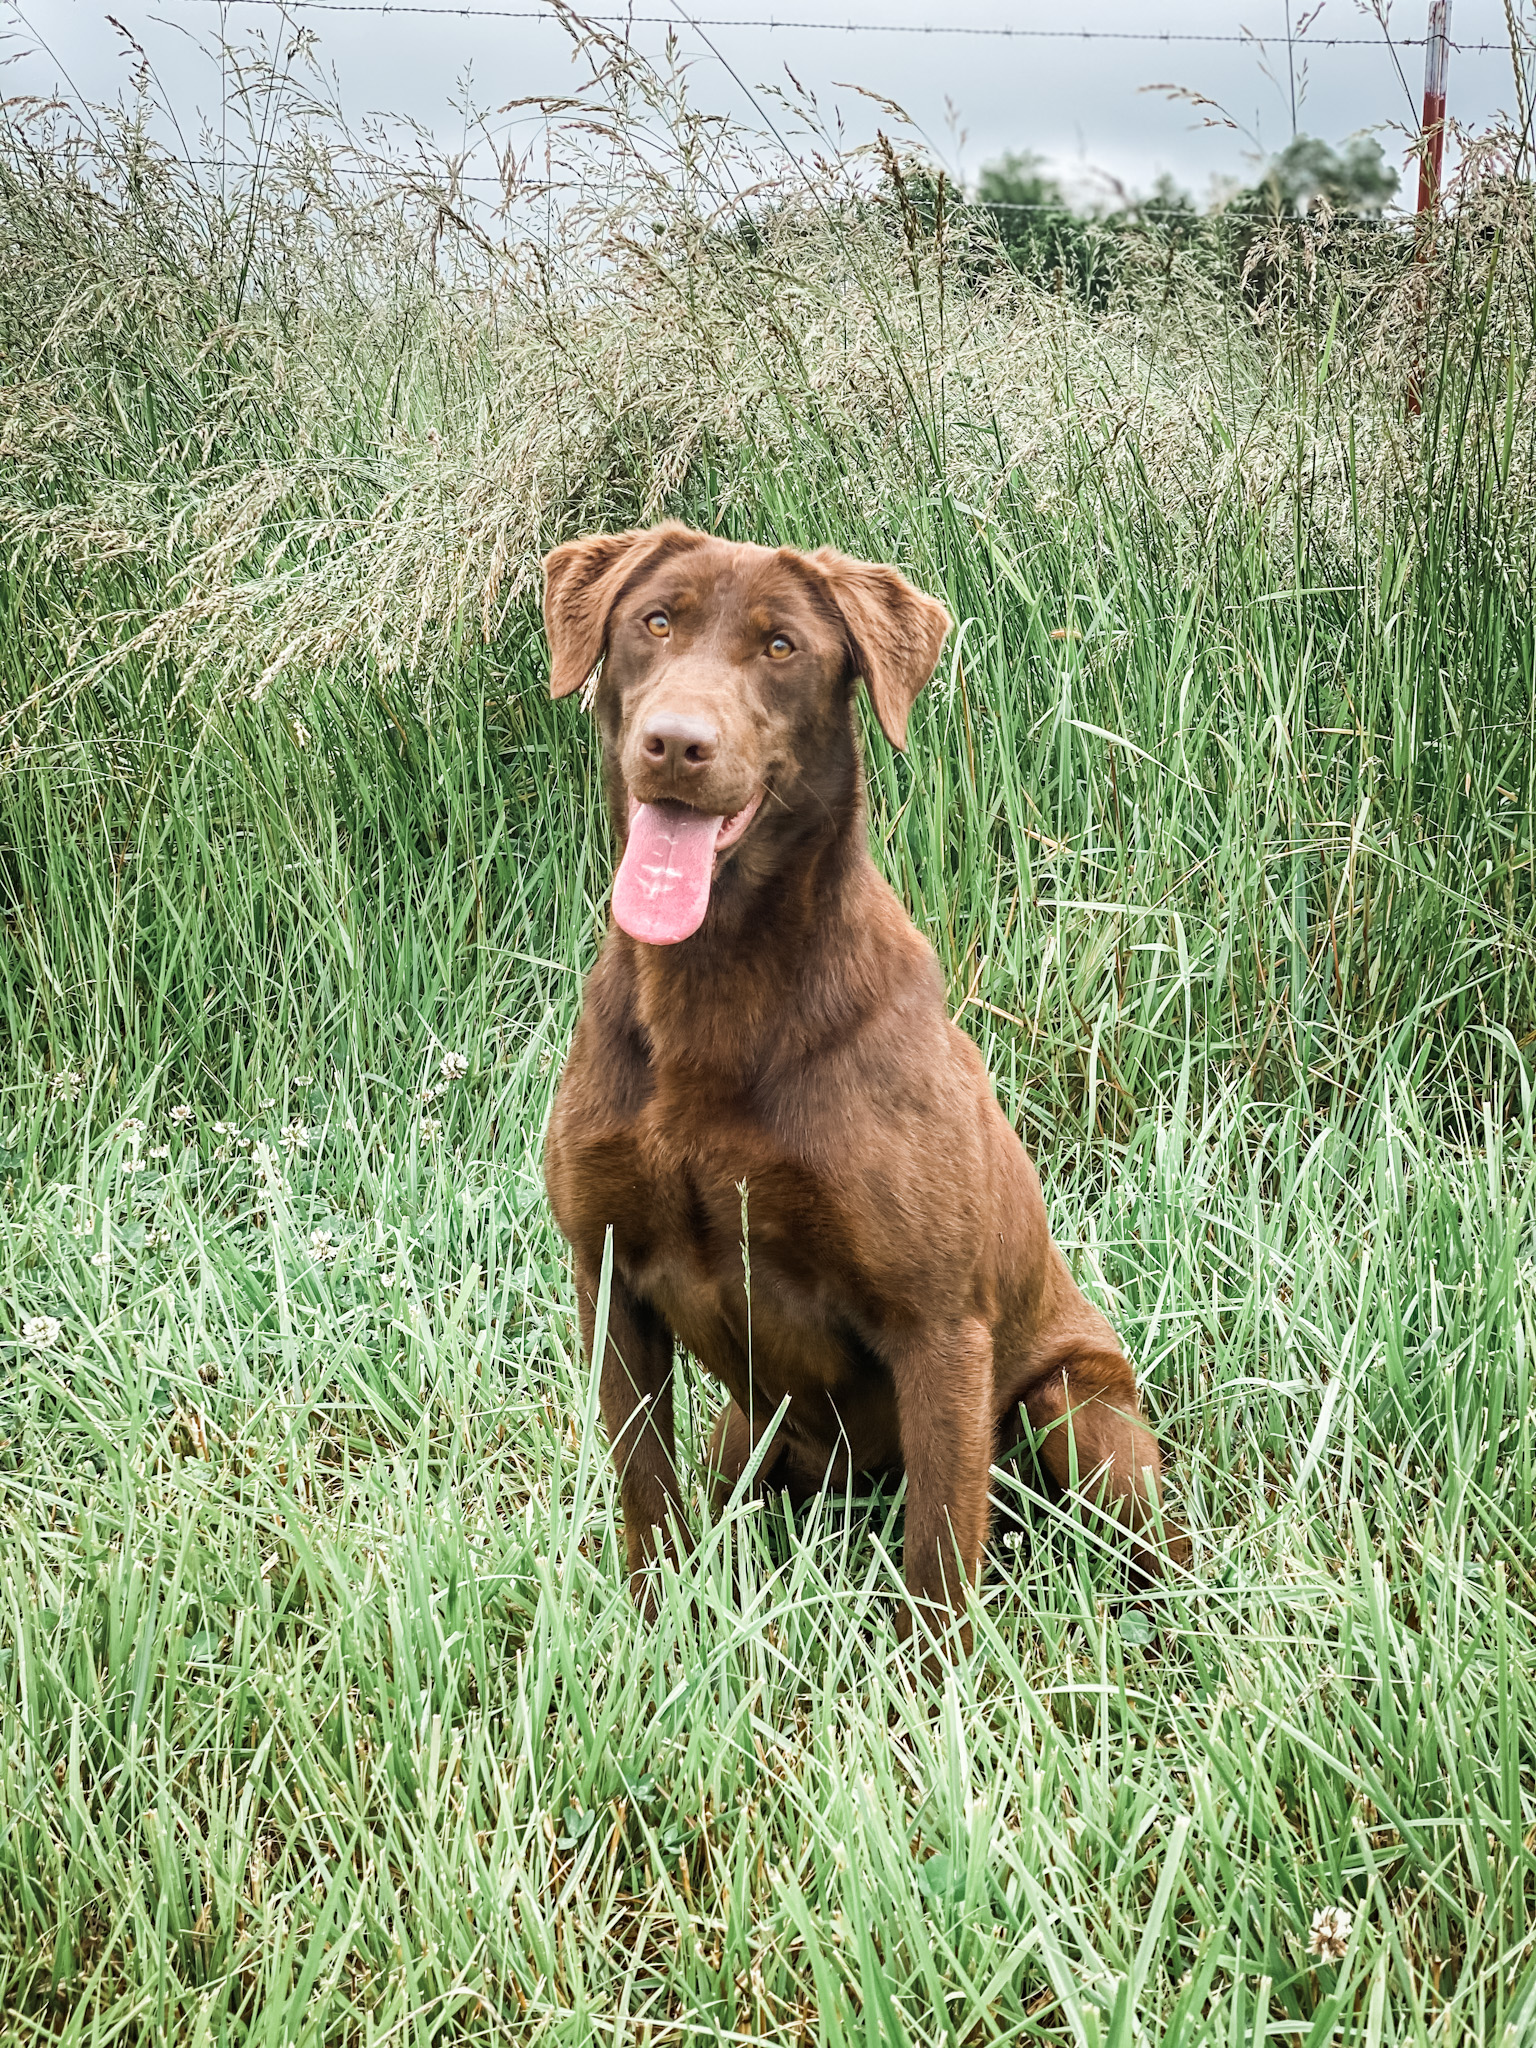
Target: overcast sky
{"x": 1083, "y": 105}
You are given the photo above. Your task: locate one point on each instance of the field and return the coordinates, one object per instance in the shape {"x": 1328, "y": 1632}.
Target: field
{"x": 324, "y": 1715}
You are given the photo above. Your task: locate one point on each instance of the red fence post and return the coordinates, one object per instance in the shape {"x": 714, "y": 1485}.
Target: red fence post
{"x": 1437, "y": 51}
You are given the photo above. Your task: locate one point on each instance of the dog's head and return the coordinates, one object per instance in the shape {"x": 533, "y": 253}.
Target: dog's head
{"x": 725, "y": 699}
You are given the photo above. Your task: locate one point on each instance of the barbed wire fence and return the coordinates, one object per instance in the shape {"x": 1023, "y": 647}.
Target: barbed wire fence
{"x": 798, "y": 24}
{"x": 1436, "y": 41}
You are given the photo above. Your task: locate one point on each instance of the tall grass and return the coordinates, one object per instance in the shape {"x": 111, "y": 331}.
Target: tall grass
{"x": 324, "y": 1712}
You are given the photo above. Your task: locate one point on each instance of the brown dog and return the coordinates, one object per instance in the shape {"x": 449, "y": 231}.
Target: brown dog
{"x": 764, "y": 1017}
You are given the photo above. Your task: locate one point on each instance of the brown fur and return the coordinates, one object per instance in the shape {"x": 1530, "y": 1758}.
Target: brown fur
{"x": 906, "y": 1295}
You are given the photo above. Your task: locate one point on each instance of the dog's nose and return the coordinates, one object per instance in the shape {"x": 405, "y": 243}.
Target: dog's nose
{"x": 680, "y": 745}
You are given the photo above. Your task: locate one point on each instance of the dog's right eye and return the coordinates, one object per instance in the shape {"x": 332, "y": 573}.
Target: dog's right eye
{"x": 659, "y": 624}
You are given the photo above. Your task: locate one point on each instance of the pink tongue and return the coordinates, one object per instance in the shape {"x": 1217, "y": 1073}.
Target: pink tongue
{"x": 661, "y": 891}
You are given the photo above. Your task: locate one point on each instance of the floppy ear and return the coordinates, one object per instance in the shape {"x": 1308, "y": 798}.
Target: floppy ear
{"x": 583, "y": 581}
{"x": 896, "y": 633}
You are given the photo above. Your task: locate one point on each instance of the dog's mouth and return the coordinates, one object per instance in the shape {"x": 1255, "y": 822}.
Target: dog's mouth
{"x": 661, "y": 891}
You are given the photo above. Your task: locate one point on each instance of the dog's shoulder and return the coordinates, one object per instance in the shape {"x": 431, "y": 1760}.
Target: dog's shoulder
{"x": 608, "y": 1069}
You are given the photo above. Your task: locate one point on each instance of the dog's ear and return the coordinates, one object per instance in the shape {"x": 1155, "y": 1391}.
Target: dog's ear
{"x": 895, "y": 631}
{"x": 583, "y": 581}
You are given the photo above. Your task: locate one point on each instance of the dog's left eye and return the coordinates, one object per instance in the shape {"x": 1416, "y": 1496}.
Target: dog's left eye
{"x": 659, "y": 624}
{"x": 779, "y": 646}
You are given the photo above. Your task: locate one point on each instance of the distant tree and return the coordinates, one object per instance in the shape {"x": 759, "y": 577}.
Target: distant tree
{"x": 1017, "y": 184}
{"x": 1354, "y": 184}
{"x": 1062, "y": 248}
{"x": 1167, "y": 205}
{"x": 1357, "y": 181}
{"x": 1057, "y": 248}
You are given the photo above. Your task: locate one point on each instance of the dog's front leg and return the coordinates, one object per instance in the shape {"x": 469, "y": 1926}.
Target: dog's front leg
{"x": 635, "y": 1389}
{"x": 943, "y": 1382}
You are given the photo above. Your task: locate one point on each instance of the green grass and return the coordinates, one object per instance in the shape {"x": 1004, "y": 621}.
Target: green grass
{"x": 324, "y": 1715}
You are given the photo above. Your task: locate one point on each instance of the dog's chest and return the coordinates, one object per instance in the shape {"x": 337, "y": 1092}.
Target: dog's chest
{"x": 700, "y": 1192}
{"x": 721, "y": 1192}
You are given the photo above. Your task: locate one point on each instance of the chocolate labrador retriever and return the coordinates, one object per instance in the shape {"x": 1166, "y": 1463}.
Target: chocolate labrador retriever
{"x": 765, "y": 1027}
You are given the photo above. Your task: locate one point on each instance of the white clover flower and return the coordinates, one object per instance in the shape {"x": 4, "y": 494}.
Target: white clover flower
{"x": 226, "y": 1130}
{"x": 132, "y": 1165}
{"x": 303, "y": 1080}
{"x": 265, "y": 1162}
{"x": 1331, "y": 1928}
{"x": 99, "y": 1259}
{"x": 322, "y": 1247}
{"x": 182, "y": 1113}
{"x": 453, "y": 1066}
{"x": 133, "y": 1126}
{"x": 431, "y": 1127}
{"x": 41, "y": 1331}
{"x": 295, "y": 1138}
{"x": 269, "y": 1102}
{"x": 300, "y": 732}
{"x": 159, "y": 1152}
{"x": 65, "y": 1087}
{"x": 157, "y": 1240}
